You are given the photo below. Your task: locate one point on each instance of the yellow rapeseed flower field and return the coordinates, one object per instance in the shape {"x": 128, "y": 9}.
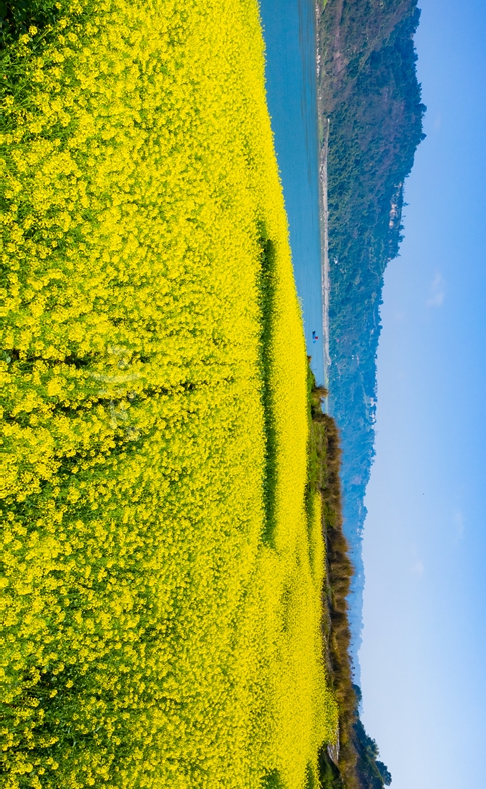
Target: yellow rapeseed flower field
{"x": 161, "y": 597}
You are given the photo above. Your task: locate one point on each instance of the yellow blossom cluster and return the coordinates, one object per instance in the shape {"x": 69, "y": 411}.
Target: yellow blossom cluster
{"x": 161, "y": 597}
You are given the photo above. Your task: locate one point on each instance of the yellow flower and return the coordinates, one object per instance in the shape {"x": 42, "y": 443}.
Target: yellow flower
{"x": 163, "y": 582}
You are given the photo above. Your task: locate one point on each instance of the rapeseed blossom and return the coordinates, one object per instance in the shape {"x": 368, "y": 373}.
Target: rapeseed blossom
{"x": 162, "y": 589}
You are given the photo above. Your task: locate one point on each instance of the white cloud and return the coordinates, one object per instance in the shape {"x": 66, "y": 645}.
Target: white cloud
{"x": 459, "y": 521}
{"x": 437, "y": 291}
{"x": 417, "y": 568}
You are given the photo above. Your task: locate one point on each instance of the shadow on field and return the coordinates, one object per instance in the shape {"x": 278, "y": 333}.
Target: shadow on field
{"x": 272, "y": 780}
{"x": 267, "y": 294}
{"x": 16, "y": 16}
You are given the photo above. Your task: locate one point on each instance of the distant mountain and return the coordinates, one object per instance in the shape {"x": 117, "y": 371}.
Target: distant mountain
{"x": 368, "y": 89}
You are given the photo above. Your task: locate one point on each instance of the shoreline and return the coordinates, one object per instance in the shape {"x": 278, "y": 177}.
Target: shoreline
{"x": 325, "y": 274}
{"x": 323, "y": 214}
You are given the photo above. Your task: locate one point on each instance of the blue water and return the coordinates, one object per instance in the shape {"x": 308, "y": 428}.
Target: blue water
{"x": 289, "y": 32}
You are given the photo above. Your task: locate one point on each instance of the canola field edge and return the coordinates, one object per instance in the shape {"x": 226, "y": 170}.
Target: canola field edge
{"x": 161, "y": 595}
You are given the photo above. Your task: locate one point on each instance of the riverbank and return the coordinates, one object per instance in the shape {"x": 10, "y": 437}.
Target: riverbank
{"x": 351, "y": 762}
{"x": 323, "y": 136}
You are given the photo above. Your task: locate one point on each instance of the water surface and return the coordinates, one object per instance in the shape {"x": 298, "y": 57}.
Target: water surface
{"x": 289, "y": 32}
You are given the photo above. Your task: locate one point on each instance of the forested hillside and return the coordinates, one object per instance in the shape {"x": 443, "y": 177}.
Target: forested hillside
{"x": 368, "y": 90}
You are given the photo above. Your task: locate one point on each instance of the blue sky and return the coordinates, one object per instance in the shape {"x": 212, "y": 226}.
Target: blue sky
{"x": 423, "y": 657}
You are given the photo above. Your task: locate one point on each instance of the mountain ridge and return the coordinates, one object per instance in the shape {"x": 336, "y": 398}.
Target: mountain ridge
{"x": 369, "y": 92}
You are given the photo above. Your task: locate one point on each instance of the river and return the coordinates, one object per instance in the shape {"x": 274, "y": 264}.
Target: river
{"x": 289, "y": 32}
